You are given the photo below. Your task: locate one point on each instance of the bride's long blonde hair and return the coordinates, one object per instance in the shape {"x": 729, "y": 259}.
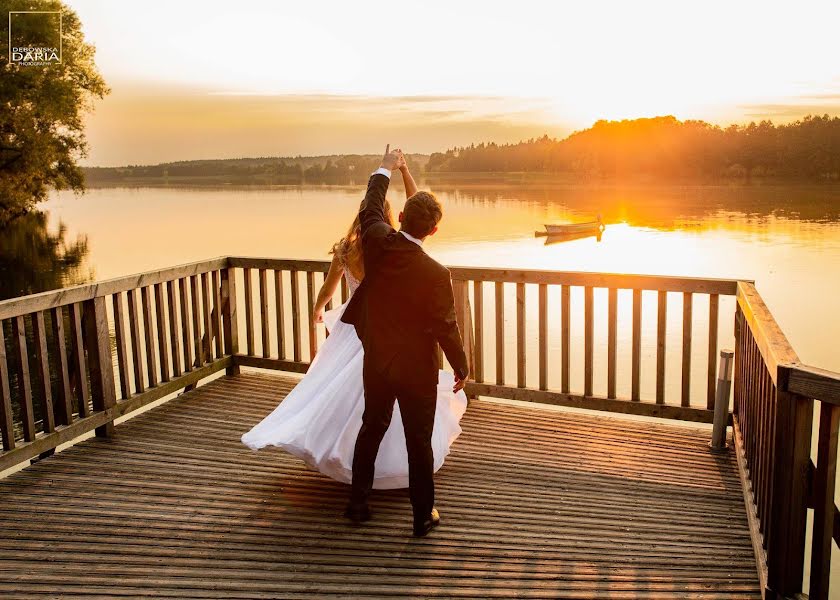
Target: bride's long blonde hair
{"x": 349, "y": 248}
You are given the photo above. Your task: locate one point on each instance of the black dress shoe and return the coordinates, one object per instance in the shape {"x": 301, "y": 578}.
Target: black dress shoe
{"x": 358, "y": 513}
{"x": 421, "y": 528}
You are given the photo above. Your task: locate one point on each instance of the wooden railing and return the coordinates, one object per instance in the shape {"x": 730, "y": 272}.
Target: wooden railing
{"x": 824, "y": 386}
{"x": 74, "y": 360}
{"x": 277, "y": 299}
{"x": 61, "y": 378}
{"x": 772, "y": 422}
{"x": 492, "y": 286}
{"x": 80, "y": 357}
{"x": 278, "y": 331}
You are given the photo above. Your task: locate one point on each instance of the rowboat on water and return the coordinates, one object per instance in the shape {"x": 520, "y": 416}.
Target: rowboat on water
{"x": 591, "y": 227}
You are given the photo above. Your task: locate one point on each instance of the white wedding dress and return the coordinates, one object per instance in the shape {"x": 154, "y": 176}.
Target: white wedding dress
{"x": 320, "y": 418}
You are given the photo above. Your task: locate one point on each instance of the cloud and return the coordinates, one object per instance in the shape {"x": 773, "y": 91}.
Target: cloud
{"x": 147, "y": 126}
{"x": 795, "y": 109}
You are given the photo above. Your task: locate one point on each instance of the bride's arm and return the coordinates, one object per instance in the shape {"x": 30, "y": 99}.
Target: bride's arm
{"x": 408, "y": 182}
{"x": 328, "y": 289}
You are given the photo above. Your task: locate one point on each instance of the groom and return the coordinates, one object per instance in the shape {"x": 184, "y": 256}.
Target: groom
{"x": 403, "y": 308}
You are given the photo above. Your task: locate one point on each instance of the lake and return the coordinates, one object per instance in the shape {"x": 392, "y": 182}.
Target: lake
{"x": 785, "y": 238}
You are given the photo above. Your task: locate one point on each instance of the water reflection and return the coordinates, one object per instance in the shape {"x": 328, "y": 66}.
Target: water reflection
{"x": 561, "y": 238}
{"x": 662, "y": 207}
{"x": 33, "y": 259}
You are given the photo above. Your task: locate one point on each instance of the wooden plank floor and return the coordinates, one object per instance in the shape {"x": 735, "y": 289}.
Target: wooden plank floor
{"x": 535, "y": 503}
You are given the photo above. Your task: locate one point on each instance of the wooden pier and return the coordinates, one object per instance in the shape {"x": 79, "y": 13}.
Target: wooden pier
{"x": 537, "y": 501}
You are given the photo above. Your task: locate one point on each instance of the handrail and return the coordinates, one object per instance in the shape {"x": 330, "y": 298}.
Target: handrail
{"x": 771, "y": 340}
{"x": 820, "y": 384}
{"x": 279, "y": 264}
{"x": 78, "y": 293}
{"x": 667, "y": 283}
{"x": 773, "y": 421}
{"x": 664, "y": 283}
{"x": 265, "y": 279}
{"x": 14, "y": 307}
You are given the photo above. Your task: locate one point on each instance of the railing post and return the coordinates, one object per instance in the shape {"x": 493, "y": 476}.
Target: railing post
{"x": 724, "y": 384}
{"x": 737, "y": 376}
{"x": 229, "y": 316}
{"x": 463, "y": 314}
{"x": 7, "y": 427}
{"x": 790, "y": 489}
{"x": 100, "y": 365}
{"x": 825, "y": 479}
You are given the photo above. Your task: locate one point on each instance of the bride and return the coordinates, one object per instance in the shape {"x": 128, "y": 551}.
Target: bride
{"x": 320, "y": 418}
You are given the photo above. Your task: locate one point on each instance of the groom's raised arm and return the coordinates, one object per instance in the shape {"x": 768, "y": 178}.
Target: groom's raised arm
{"x": 372, "y": 211}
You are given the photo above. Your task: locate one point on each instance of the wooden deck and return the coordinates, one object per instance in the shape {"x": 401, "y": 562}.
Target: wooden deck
{"x": 535, "y": 503}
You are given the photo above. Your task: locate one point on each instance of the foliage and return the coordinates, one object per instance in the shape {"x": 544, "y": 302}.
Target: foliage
{"x": 664, "y": 147}
{"x": 41, "y": 113}
{"x": 301, "y": 169}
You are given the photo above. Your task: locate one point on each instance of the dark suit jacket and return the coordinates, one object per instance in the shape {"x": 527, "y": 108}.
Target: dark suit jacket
{"x": 405, "y": 304}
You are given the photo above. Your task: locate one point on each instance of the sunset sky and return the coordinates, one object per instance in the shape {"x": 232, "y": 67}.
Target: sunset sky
{"x": 220, "y": 79}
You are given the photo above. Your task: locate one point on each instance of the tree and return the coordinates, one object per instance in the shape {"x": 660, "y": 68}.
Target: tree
{"x": 42, "y": 108}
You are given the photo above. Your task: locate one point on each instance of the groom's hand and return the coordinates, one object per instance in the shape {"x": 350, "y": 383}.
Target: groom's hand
{"x": 459, "y": 385}
{"x": 393, "y": 159}
{"x": 401, "y": 159}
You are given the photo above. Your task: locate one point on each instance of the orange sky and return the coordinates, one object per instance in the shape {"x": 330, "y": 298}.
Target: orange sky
{"x": 150, "y": 125}
{"x": 214, "y": 79}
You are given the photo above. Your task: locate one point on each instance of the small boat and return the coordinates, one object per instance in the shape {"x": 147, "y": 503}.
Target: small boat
{"x": 591, "y": 227}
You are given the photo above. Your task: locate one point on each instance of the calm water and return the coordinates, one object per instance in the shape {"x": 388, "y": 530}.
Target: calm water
{"x": 785, "y": 238}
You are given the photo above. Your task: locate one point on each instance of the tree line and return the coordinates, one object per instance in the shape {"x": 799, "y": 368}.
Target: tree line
{"x": 660, "y": 148}
{"x": 665, "y": 148}
{"x": 300, "y": 169}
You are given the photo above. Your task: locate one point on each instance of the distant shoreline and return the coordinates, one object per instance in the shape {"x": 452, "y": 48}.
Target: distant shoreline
{"x": 658, "y": 150}
{"x": 464, "y": 179}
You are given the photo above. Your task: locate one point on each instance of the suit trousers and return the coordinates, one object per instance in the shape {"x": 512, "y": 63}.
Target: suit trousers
{"x": 417, "y": 409}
